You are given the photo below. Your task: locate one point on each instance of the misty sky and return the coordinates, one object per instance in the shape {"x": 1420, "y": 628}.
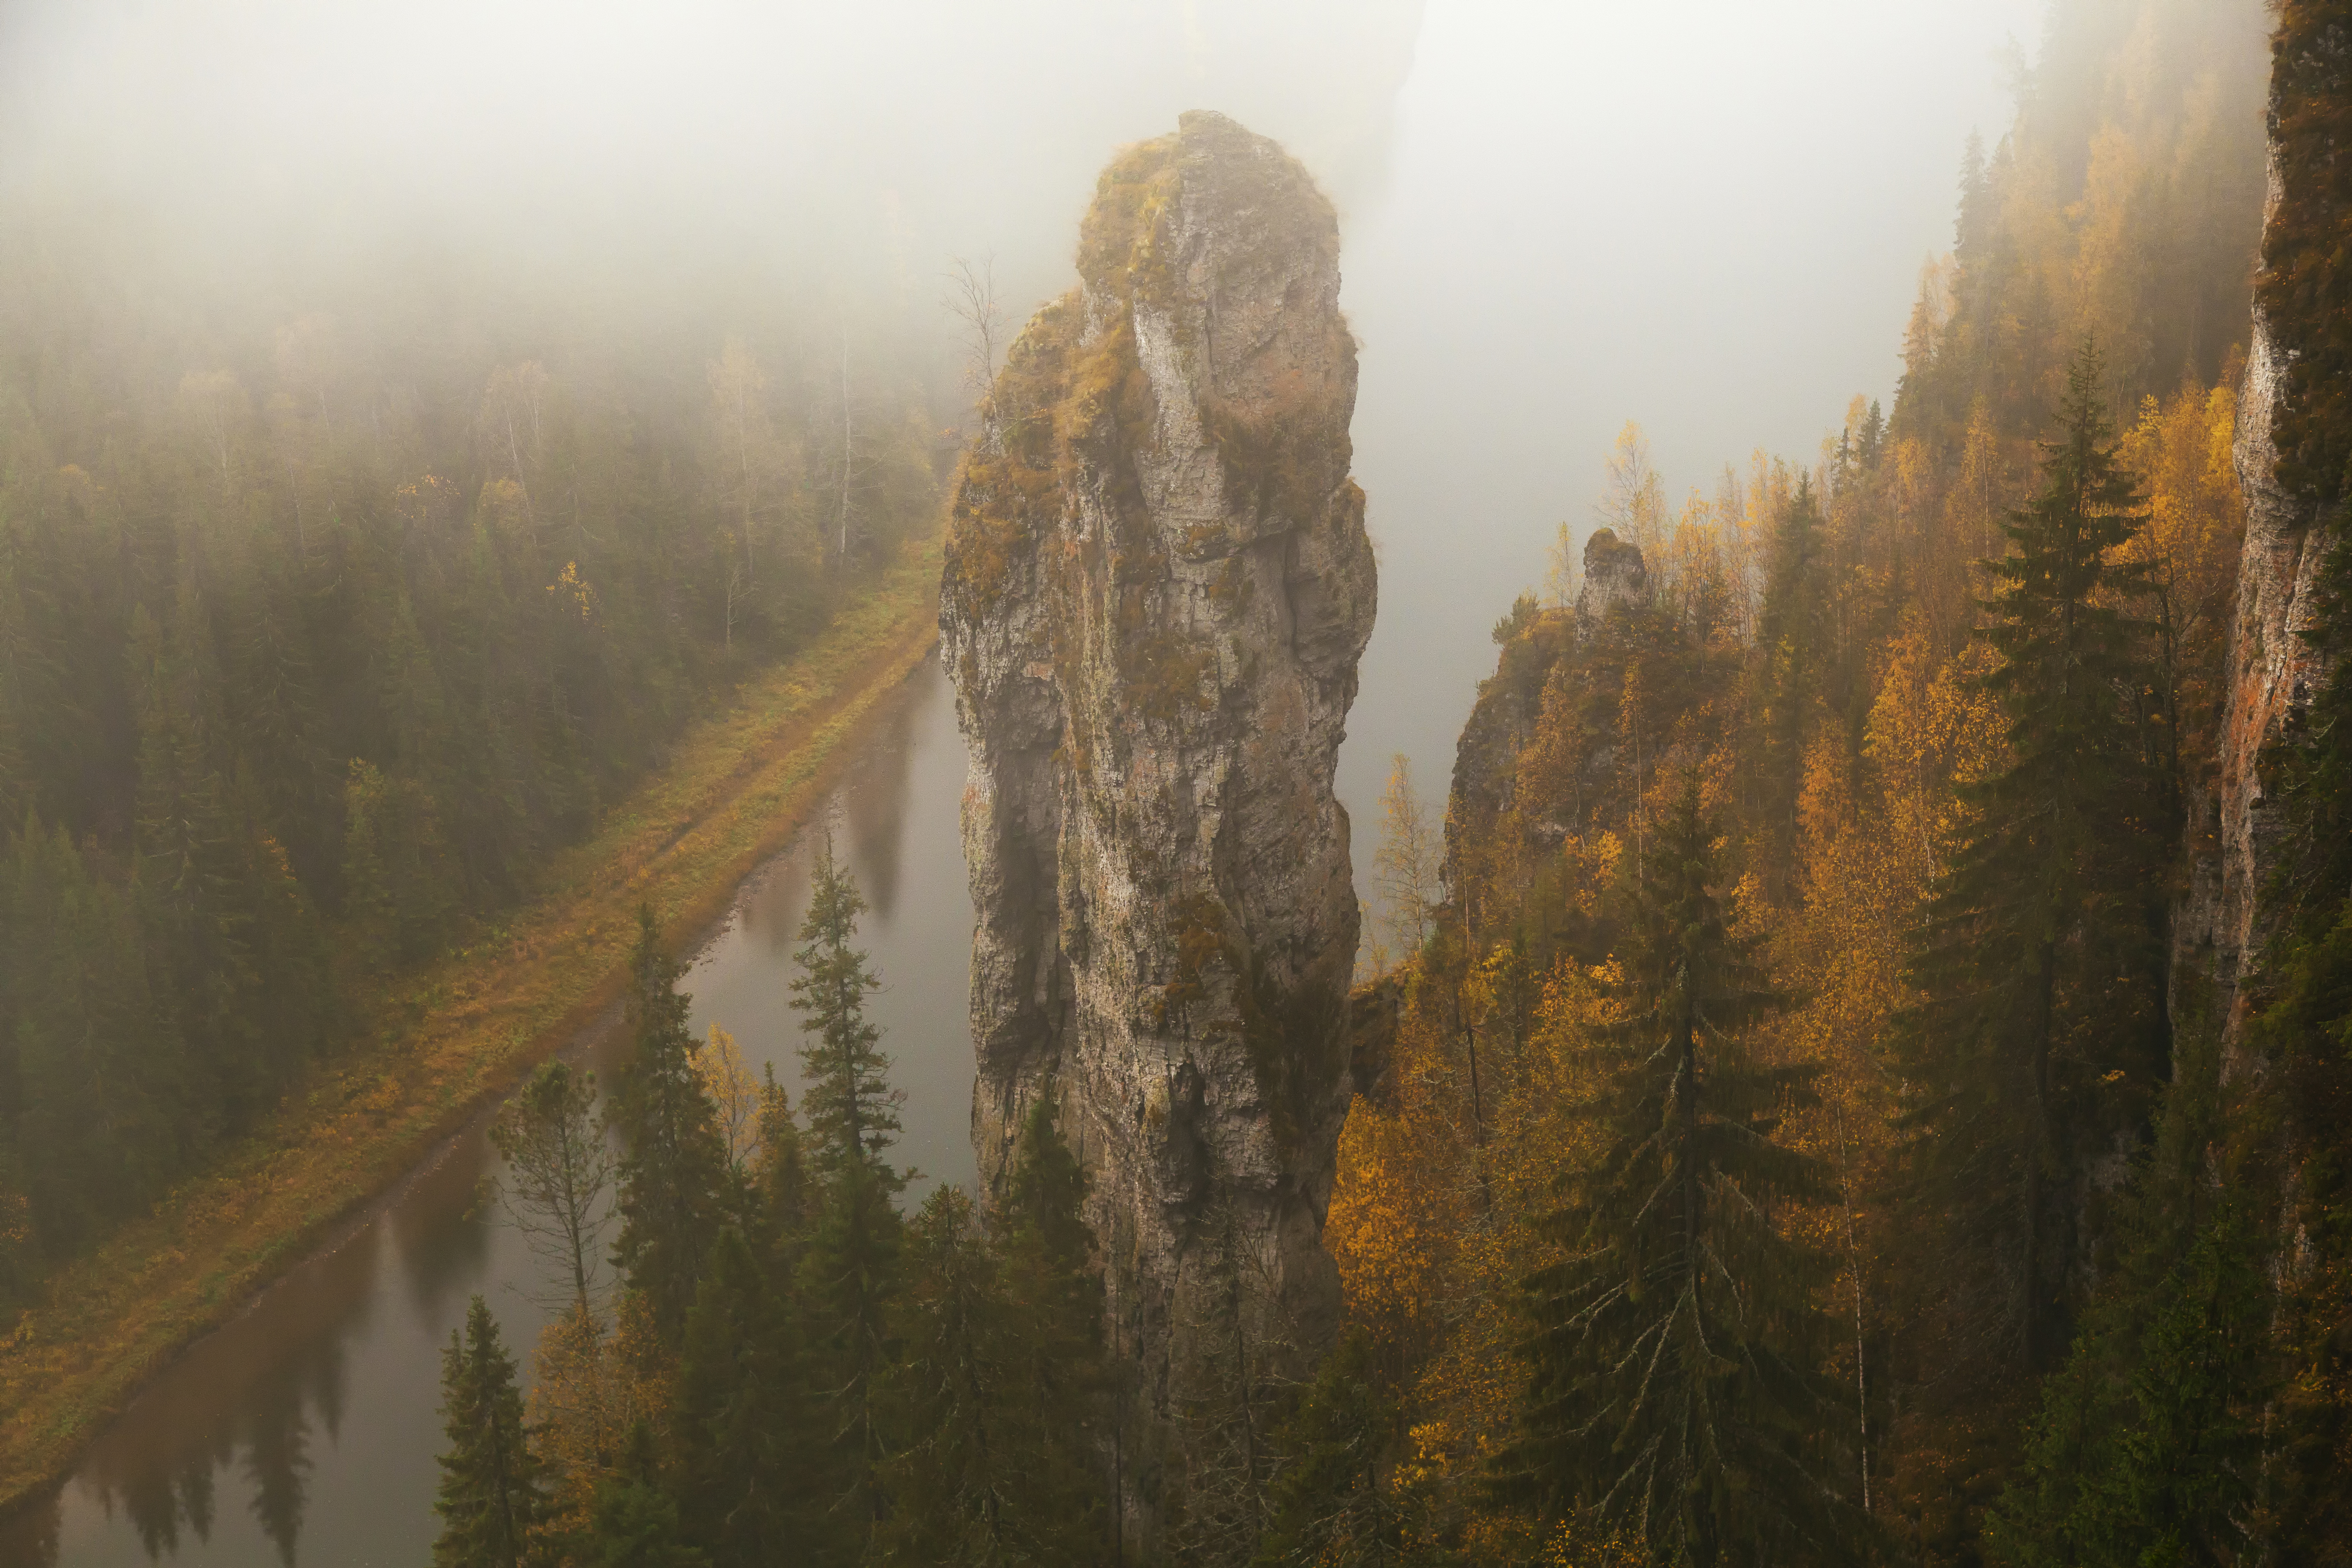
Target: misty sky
{"x": 1708, "y": 217}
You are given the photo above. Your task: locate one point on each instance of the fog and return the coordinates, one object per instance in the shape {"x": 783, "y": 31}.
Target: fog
{"x": 1708, "y": 218}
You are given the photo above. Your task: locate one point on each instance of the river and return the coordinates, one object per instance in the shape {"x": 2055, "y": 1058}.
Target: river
{"x": 304, "y": 1432}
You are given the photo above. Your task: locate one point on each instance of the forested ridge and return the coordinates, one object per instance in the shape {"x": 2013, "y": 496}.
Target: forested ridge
{"x": 334, "y": 597}
{"x": 1792, "y": 1123}
{"x": 1800, "y": 1123}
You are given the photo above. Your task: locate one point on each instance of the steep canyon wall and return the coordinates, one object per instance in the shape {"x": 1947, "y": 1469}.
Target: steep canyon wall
{"x": 2272, "y": 673}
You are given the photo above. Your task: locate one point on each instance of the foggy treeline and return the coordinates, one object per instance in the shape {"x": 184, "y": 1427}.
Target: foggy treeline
{"x": 395, "y": 455}
{"x": 323, "y": 626}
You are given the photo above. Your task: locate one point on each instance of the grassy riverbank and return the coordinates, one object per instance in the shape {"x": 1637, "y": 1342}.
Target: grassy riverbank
{"x": 440, "y": 1041}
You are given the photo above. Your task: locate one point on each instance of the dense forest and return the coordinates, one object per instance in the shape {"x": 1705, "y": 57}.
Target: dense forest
{"x": 1800, "y": 1129}
{"x": 331, "y": 602}
{"x": 1792, "y": 1123}
{"x": 1795, "y": 1120}
{"x": 793, "y": 1369}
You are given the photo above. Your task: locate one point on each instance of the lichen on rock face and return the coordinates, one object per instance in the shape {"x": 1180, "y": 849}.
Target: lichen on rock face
{"x": 1158, "y": 586}
{"x": 1613, "y": 574}
{"x": 2220, "y": 924}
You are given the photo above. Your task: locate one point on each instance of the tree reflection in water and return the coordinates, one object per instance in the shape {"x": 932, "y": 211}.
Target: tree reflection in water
{"x": 873, "y": 801}
{"x": 33, "y": 1533}
{"x": 278, "y": 1462}
{"x": 236, "y": 1400}
{"x": 306, "y": 1431}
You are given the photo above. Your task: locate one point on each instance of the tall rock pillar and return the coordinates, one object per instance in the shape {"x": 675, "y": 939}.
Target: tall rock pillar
{"x": 1156, "y": 588}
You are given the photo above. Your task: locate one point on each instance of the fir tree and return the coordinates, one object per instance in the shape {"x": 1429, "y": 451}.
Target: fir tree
{"x": 1672, "y": 1360}
{"x": 2039, "y": 1035}
{"x": 36, "y": 722}
{"x": 673, "y": 1176}
{"x": 180, "y": 879}
{"x": 275, "y": 712}
{"x": 397, "y": 881}
{"x": 489, "y": 1497}
{"x": 288, "y": 1010}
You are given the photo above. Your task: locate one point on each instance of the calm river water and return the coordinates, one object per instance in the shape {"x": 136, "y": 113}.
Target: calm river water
{"x": 304, "y": 1432}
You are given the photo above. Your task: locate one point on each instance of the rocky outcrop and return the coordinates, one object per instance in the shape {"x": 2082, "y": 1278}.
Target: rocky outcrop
{"x": 1158, "y": 586}
{"x": 2272, "y": 672}
{"x": 1613, "y": 574}
{"x": 1503, "y": 714}
{"x": 1585, "y": 648}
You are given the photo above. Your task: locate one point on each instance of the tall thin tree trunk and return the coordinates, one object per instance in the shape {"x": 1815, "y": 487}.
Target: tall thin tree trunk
{"x": 2035, "y": 1200}
{"x": 743, "y": 460}
{"x": 842, "y": 557}
{"x": 1853, "y": 1264}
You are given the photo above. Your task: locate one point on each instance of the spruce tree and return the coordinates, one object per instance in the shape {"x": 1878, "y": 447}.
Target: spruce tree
{"x": 1333, "y": 1506}
{"x": 2039, "y": 1034}
{"x": 740, "y": 1416}
{"x": 782, "y": 1204}
{"x": 637, "y": 1522}
{"x": 1059, "y": 1376}
{"x": 851, "y": 1278}
{"x": 2149, "y": 1445}
{"x": 2147, "y": 1448}
{"x": 274, "y": 698}
{"x": 959, "y": 1478}
{"x": 852, "y": 1110}
{"x": 851, "y": 1270}
{"x": 673, "y": 1173}
{"x": 291, "y": 1007}
{"x": 1226, "y": 1400}
{"x": 1793, "y": 639}
{"x": 1002, "y": 1381}
{"x": 180, "y": 877}
{"x": 96, "y": 1069}
{"x": 36, "y": 723}
{"x": 489, "y": 1497}
{"x": 1673, "y": 1359}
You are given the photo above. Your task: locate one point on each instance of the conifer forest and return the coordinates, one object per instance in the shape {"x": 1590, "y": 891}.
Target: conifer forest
{"x": 1852, "y": 1066}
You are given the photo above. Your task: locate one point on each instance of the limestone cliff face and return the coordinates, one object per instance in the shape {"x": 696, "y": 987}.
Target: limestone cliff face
{"x": 2272, "y": 672}
{"x": 1158, "y": 586}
